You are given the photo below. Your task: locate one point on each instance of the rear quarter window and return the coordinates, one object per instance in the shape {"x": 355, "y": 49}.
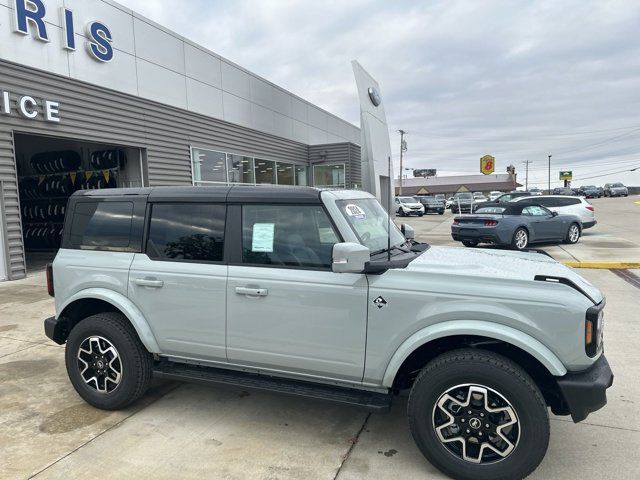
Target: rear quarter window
{"x": 101, "y": 226}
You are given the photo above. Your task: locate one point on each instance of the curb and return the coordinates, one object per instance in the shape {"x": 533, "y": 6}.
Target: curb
{"x": 603, "y": 265}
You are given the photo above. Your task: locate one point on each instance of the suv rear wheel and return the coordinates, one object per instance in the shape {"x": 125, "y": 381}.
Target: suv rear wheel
{"x": 106, "y": 362}
{"x": 477, "y": 415}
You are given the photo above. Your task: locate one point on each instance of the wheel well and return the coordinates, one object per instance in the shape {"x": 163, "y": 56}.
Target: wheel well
{"x": 77, "y": 311}
{"x": 546, "y": 382}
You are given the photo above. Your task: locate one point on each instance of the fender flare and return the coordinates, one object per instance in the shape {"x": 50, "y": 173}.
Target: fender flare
{"x": 126, "y": 306}
{"x": 478, "y": 328}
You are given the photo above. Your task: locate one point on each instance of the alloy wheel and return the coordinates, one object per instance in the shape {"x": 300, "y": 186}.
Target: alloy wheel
{"x": 476, "y": 424}
{"x": 574, "y": 233}
{"x": 99, "y": 364}
{"x": 521, "y": 239}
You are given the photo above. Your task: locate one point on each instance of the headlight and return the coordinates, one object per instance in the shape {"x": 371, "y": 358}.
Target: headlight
{"x": 594, "y": 329}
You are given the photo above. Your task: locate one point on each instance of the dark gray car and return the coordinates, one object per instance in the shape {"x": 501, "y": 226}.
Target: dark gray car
{"x": 516, "y": 225}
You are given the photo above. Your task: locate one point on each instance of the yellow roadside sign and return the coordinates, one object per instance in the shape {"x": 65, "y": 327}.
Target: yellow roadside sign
{"x": 487, "y": 164}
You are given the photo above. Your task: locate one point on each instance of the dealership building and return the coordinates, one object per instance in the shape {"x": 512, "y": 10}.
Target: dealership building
{"x": 93, "y": 95}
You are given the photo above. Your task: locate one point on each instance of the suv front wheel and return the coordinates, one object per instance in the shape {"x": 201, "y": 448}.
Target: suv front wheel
{"x": 477, "y": 415}
{"x": 106, "y": 362}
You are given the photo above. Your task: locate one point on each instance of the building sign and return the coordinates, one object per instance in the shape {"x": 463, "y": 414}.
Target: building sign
{"x": 28, "y": 107}
{"x": 487, "y": 165}
{"x": 30, "y": 18}
{"x": 424, "y": 172}
{"x": 566, "y": 175}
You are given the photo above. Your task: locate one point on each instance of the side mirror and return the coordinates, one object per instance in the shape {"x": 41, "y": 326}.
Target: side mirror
{"x": 407, "y": 231}
{"x": 554, "y": 214}
{"x": 349, "y": 257}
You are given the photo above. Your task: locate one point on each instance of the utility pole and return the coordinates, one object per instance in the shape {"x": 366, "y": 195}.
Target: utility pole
{"x": 549, "y": 175}
{"x": 403, "y": 148}
{"x": 526, "y": 178}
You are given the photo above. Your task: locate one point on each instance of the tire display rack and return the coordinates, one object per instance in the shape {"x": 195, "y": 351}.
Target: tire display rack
{"x": 57, "y": 174}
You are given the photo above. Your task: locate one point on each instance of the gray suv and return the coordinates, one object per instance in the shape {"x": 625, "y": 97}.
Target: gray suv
{"x": 317, "y": 293}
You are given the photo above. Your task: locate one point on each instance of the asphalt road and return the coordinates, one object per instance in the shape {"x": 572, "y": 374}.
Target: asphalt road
{"x": 193, "y": 432}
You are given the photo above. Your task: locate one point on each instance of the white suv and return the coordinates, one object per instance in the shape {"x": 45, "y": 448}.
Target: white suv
{"x": 566, "y": 205}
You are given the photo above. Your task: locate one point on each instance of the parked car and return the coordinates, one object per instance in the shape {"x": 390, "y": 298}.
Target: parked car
{"x": 441, "y": 198}
{"x": 615, "y": 190}
{"x": 448, "y": 203}
{"x": 516, "y": 225}
{"x": 463, "y": 202}
{"x": 566, "y": 205}
{"x": 590, "y": 191}
{"x": 493, "y": 195}
{"x": 406, "y": 206}
{"x": 431, "y": 205}
{"x": 563, "y": 191}
{"x": 535, "y": 191}
{"x": 504, "y": 198}
{"x": 600, "y": 192}
{"x": 295, "y": 290}
{"x": 479, "y": 197}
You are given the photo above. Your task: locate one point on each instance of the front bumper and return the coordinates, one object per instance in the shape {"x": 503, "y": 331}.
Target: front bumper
{"x": 586, "y": 392}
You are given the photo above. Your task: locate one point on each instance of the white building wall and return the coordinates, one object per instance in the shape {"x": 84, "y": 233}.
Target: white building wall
{"x": 154, "y": 63}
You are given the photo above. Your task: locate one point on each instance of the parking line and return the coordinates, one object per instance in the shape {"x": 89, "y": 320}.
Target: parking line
{"x": 629, "y": 277}
{"x": 604, "y": 265}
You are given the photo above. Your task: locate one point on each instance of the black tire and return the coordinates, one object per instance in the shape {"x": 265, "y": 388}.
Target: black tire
{"x": 494, "y": 372}
{"x": 470, "y": 243}
{"x": 401, "y": 212}
{"x": 420, "y": 214}
{"x": 515, "y": 244}
{"x": 136, "y": 363}
{"x": 571, "y": 238}
{"x": 440, "y": 213}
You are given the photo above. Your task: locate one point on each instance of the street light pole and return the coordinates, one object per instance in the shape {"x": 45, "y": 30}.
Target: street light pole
{"x": 526, "y": 178}
{"x": 549, "y": 175}
{"x": 402, "y": 150}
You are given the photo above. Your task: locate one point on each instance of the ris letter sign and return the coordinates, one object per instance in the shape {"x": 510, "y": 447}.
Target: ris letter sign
{"x": 487, "y": 164}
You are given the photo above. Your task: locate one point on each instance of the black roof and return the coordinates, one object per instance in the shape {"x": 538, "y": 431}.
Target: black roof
{"x": 231, "y": 194}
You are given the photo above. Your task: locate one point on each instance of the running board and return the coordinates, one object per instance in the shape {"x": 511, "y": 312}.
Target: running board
{"x": 373, "y": 401}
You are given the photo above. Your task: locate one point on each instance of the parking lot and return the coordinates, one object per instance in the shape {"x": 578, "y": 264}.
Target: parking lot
{"x": 192, "y": 431}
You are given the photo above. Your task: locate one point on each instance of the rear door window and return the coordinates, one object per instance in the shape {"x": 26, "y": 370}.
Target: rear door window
{"x": 190, "y": 232}
{"x": 101, "y": 226}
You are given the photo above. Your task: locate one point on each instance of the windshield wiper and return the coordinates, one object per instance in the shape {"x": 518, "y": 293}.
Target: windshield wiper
{"x": 395, "y": 247}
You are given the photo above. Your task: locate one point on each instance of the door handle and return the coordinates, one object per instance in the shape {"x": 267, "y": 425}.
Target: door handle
{"x": 252, "y": 292}
{"x": 148, "y": 282}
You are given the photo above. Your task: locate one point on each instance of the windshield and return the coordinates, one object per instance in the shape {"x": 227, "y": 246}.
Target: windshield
{"x": 369, "y": 221}
{"x": 463, "y": 195}
{"x": 407, "y": 200}
{"x": 617, "y": 185}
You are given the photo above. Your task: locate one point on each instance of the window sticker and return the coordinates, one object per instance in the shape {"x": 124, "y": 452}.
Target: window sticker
{"x": 355, "y": 212}
{"x": 262, "y": 239}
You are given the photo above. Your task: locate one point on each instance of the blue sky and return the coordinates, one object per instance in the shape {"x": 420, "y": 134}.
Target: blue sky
{"x": 516, "y": 79}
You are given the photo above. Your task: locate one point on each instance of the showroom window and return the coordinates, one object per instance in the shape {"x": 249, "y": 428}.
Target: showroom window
{"x": 186, "y": 232}
{"x": 286, "y": 174}
{"x": 240, "y": 169}
{"x": 265, "y": 171}
{"x": 209, "y": 166}
{"x": 329, "y": 176}
{"x": 214, "y": 167}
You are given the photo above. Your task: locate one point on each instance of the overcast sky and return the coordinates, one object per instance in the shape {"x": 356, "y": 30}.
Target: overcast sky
{"x": 515, "y": 79}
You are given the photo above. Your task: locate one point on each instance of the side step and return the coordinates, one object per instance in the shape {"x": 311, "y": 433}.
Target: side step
{"x": 192, "y": 373}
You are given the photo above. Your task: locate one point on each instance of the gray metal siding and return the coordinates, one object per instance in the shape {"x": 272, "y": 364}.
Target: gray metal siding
{"x": 15, "y": 253}
{"x": 96, "y": 114}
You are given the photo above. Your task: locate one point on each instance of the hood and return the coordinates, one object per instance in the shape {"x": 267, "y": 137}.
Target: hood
{"x": 411, "y": 204}
{"x": 502, "y": 264}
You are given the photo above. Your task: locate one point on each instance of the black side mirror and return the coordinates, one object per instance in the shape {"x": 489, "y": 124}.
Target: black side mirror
{"x": 554, "y": 214}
